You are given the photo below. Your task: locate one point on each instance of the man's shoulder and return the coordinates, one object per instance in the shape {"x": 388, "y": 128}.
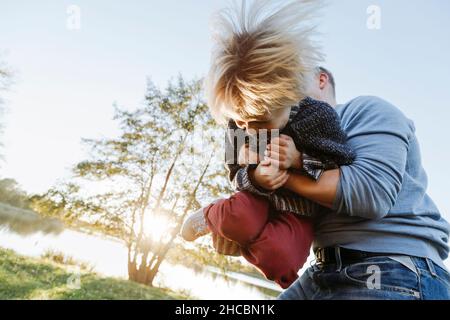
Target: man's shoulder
{"x": 373, "y": 112}
{"x": 367, "y": 104}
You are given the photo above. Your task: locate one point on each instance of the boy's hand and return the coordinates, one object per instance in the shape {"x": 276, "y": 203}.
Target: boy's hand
{"x": 268, "y": 176}
{"x": 283, "y": 153}
{"x": 247, "y": 156}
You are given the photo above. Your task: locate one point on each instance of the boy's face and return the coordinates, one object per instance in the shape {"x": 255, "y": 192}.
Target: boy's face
{"x": 275, "y": 120}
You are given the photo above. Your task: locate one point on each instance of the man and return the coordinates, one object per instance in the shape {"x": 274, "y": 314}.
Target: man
{"x": 384, "y": 238}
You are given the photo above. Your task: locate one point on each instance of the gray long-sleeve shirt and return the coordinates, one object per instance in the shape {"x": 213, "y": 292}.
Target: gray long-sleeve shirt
{"x": 381, "y": 203}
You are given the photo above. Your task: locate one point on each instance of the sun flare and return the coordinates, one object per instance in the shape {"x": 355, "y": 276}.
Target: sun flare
{"x": 157, "y": 227}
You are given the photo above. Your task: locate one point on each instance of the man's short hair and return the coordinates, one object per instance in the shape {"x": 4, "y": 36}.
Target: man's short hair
{"x": 330, "y": 78}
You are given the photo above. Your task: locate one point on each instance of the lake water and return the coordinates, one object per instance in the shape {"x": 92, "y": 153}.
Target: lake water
{"x": 108, "y": 256}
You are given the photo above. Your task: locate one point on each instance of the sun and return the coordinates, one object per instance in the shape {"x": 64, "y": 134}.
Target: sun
{"x": 157, "y": 227}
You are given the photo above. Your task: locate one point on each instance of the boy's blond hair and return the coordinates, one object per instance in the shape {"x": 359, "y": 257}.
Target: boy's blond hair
{"x": 263, "y": 56}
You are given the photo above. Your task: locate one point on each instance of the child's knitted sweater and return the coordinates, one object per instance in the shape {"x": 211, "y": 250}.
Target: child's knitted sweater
{"x": 315, "y": 129}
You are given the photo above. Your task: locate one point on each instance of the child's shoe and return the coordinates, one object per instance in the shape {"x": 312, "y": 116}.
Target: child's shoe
{"x": 194, "y": 226}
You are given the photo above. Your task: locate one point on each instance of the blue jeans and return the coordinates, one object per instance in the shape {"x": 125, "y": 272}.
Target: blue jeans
{"x": 372, "y": 279}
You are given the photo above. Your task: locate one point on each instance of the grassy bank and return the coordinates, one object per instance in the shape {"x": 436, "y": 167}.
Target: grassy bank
{"x": 30, "y": 278}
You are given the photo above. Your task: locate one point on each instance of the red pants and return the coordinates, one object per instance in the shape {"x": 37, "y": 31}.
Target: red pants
{"x": 277, "y": 244}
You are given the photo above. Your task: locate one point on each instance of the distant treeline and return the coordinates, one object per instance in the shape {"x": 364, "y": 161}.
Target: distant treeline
{"x": 16, "y": 215}
{"x": 12, "y": 194}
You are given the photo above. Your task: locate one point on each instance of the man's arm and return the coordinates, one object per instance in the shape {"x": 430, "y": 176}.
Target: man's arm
{"x": 368, "y": 188}
{"x": 322, "y": 191}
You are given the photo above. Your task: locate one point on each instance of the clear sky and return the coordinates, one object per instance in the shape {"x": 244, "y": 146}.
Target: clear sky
{"x": 67, "y": 80}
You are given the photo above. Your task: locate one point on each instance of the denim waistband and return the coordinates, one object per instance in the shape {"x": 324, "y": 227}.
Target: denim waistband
{"x": 425, "y": 264}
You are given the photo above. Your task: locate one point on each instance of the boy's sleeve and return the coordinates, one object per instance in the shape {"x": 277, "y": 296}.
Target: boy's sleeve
{"x": 317, "y": 133}
{"x": 313, "y": 167}
{"x": 379, "y": 134}
{"x": 242, "y": 182}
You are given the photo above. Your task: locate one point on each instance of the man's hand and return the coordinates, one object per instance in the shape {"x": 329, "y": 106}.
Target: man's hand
{"x": 225, "y": 246}
{"x": 283, "y": 153}
{"x": 268, "y": 176}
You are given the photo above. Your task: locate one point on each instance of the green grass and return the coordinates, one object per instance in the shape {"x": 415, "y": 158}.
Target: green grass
{"x": 28, "y": 278}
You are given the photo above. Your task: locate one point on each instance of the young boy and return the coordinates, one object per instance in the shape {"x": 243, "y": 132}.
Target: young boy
{"x": 259, "y": 73}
